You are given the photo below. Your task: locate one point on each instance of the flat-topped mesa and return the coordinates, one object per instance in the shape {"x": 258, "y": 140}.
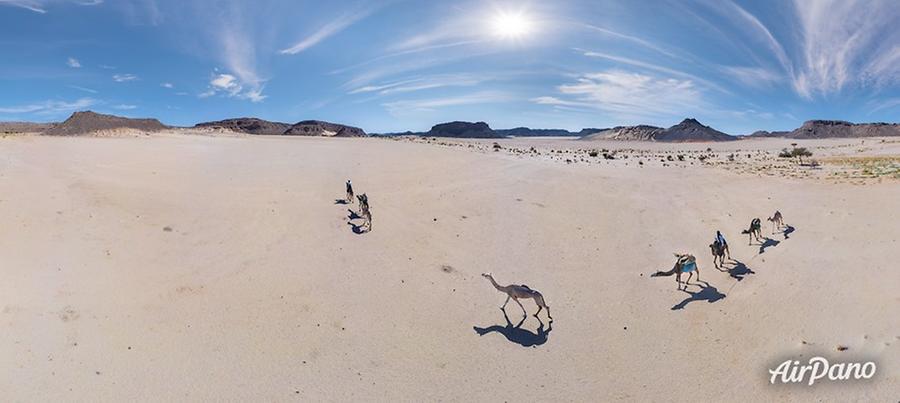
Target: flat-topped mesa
{"x": 87, "y": 122}
{"x": 463, "y": 130}
{"x": 320, "y": 128}
{"x": 248, "y": 125}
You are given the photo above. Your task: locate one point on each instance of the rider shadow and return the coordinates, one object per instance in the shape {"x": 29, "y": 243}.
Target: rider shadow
{"x": 516, "y": 334}
{"x": 707, "y": 293}
{"x": 739, "y": 271}
{"x": 788, "y": 230}
{"x": 769, "y": 242}
{"x": 340, "y": 201}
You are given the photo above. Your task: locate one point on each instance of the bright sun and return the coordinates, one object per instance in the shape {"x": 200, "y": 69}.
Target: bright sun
{"x": 511, "y": 26}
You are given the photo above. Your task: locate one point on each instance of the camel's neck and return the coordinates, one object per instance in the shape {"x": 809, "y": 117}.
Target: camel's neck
{"x": 497, "y": 286}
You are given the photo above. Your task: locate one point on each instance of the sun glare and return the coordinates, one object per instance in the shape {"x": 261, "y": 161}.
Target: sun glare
{"x": 511, "y": 26}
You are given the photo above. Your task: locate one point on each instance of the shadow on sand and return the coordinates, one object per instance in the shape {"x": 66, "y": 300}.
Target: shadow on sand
{"x": 739, "y": 271}
{"x": 352, "y": 214}
{"x": 788, "y": 230}
{"x": 516, "y": 334}
{"x": 769, "y": 242}
{"x": 357, "y": 229}
{"x": 707, "y": 293}
{"x": 340, "y": 201}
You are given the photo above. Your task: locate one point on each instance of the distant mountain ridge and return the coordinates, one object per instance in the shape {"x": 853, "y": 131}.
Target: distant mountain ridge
{"x": 302, "y": 128}
{"x": 821, "y": 129}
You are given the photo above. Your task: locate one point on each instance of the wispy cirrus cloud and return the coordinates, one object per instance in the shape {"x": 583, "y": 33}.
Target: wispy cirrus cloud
{"x": 758, "y": 77}
{"x": 627, "y": 95}
{"x": 330, "y": 29}
{"x": 73, "y": 63}
{"x": 85, "y": 89}
{"x": 122, "y": 78}
{"x": 40, "y": 6}
{"x": 49, "y": 107}
{"x": 411, "y": 106}
{"x": 124, "y": 107}
{"x": 167, "y": 85}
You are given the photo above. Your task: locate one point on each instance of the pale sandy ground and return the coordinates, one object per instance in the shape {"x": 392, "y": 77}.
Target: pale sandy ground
{"x": 214, "y": 268}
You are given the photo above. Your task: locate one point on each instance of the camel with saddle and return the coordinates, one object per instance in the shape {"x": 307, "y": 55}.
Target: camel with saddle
{"x": 684, "y": 263}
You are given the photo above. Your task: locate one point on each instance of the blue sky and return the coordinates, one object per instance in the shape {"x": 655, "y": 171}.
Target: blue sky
{"x": 406, "y": 65}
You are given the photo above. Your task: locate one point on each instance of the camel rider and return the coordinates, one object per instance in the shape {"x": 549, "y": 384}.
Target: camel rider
{"x": 349, "y": 189}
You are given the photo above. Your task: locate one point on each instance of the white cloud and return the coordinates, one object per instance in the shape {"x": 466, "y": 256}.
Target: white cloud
{"x": 167, "y": 85}
{"x": 121, "y": 78}
{"x": 49, "y": 107}
{"x": 629, "y": 95}
{"x": 40, "y": 6}
{"x": 425, "y": 83}
{"x": 85, "y": 89}
{"x": 326, "y": 31}
{"x": 73, "y": 62}
{"x": 229, "y": 85}
{"x": 654, "y": 67}
{"x": 124, "y": 107}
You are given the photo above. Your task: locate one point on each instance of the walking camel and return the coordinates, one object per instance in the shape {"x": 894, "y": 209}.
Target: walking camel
{"x": 349, "y": 192}
{"x": 685, "y": 263}
{"x": 777, "y": 221}
{"x": 718, "y": 251}
{"x": 516, "y": 291}
{"x": 364, "y": 211}
{"x": 754, "y": 231}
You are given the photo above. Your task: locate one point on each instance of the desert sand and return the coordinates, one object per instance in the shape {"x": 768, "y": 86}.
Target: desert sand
{"x": 176, "y": 267}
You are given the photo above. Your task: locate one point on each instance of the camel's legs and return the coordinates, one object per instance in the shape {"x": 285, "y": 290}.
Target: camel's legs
{"x": 691, "y": 274}
{"x": 507, "y": 301}
{"x": 698, "y": 273}
{"x": 520, "y": 306}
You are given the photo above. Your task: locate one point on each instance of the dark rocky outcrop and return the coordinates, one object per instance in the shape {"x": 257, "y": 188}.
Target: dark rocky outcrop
{"x": 529, "y": 132}
{"x": 303, "y": 128}
{"x": 320, "y": 128}
{"x": 248, "y": 125}
{"x": 81, "y": 123}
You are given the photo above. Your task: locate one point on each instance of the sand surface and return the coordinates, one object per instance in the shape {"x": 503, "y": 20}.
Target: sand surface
{"x": 221, "y": 268}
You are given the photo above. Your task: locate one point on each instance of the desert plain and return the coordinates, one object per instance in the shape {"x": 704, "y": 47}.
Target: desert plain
{"x": 212, "y": 267}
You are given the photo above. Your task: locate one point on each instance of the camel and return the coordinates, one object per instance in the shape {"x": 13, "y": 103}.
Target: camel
{"x": 718, "y": 251}
{"x": 685, "y": 263}
{"x": 349, "y": 191}
{"x": 364, "y": 211}
{"x": 516, "y": 291}
{"x": 777, "y": 221}
{"x": 754, "y": 231}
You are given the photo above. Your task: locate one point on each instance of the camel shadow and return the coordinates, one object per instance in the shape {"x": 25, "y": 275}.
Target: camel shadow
{"x": 788, "y": 230}
{"x": 739, "y": 271}
{"x": 769, "y": 242}
{"x": 516, "y": 334}
{"x": 340, "y": 201}
{"x": 357, "y": 229}
{"x": 707, "y": 293}
{"x": 352, "y": 215}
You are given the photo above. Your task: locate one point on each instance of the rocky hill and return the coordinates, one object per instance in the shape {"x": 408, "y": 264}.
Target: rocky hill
{"x": 81, "y": 123}
{"x": 248, "y": 125}
{"x": 319, "y": 128}
{"x": 529, "y": 132}
{"x": 689, "y": 130}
